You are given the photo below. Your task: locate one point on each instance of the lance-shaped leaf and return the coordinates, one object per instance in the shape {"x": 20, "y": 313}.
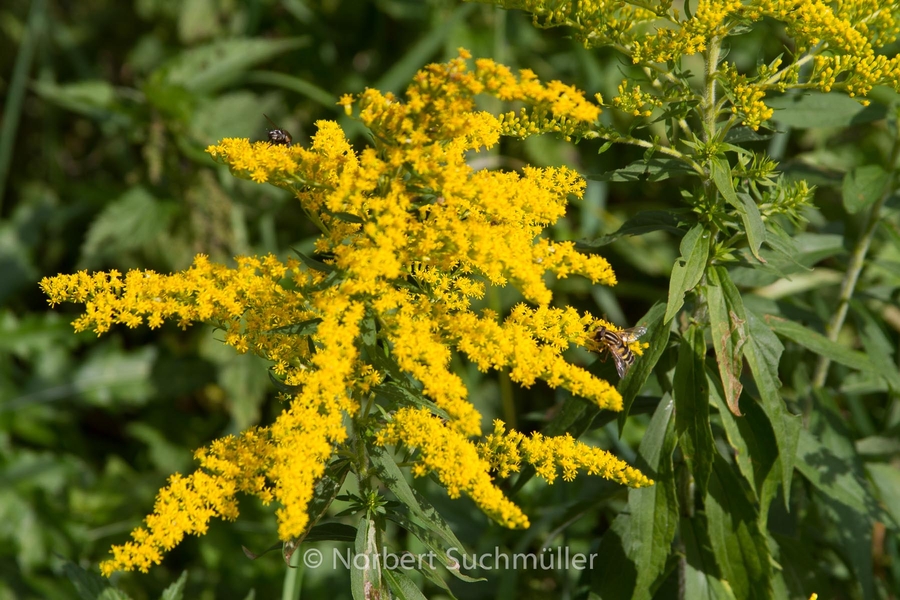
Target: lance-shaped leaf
{"x": 635, "y": 548}
{"x": 702, "y": 580}
{"x": 365, "y": 567}
{"x": 820, "y": 344}
{"x": 754, "y": 228}
{"x": 688, "y": 269}
{"x": 763, "y": 353}
{"x": 692, "y": 406}
{"x": 738, "y": 543}
{"x": 729, "y": 333}
{"x": 658, "y": 337}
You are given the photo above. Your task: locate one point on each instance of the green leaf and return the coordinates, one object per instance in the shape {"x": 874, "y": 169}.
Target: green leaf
{"x": 886, "y": 478}
{"x": 295, "y": 84}
{"x": 90, "y": 585}
{"x": 863, "y": 186}
{"x": 635, "y": 548}
{"x": 337, "y": 532}
{"x": 701, "y": 574}
{"x": 692, "y": 406}
{"x": 654, "y": 169}
{"x": 729, "y": 332}
{"x": 641, "y": 223}
{"x": 402, "y": 585}
{"x": 820, "y": 344}
{"x": 829, "y": 473}
{"x": 878, "y": 347}
{"x": 176, "y": 590}
{"x": 688, "y": 270}
{"x": 822, "y": 110}
{"x": 763, "y": 353}
{"x": 850, "y": 535}
{"x": 314, "y": 264}
{"x": 392, "y": 477}
{"x": 132, "y": 221}
{"x": 435, "y": 544}
{"x": 365, "y": 567}
{"x": 740, "y": 547}
{"x": 207, "y": 69}
{"x": 658, "y": 338}
{"x": 754, "y": 228}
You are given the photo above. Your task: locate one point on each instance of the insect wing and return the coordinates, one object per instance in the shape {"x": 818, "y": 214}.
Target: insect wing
{"x": 621, "y": 365}
{"x": 632, "y": 335}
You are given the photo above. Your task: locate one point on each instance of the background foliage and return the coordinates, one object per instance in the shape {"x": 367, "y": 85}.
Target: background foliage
{"x": 107, "y": 107}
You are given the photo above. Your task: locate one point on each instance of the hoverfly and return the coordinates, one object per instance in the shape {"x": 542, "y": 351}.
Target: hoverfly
{"x": 617, "y": 344}
{"x": 277, "y": 136}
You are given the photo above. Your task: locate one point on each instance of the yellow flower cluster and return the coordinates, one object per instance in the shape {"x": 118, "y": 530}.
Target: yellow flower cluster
{"x": 505, "y": 450}
{"x": 454, "y": 459}
{"x": 634, "y": 101}
{"x": 841, "y": 37}
{"x": 411, "y": 234}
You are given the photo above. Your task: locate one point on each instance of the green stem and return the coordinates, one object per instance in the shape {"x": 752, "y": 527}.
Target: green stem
{"x": 709, "y": 96}
{"x": 857, "y": 262}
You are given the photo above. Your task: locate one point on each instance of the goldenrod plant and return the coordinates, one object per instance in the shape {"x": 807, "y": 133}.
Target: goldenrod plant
{"x": 366, "y": 332}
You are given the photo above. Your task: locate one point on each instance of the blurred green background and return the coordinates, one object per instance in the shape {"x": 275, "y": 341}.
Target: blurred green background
{"x": 107, "y": 108}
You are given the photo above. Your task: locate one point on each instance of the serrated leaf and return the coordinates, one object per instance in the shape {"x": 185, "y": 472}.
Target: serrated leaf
{"x": 729, "y": 333}
{"x": 688, "y": 269}
{"x": 820, "y": 344}
{"x": 207, "y": 69}
{"x": 176, "y": 590}
{"x": 692, "y": 406}
{"x": 402, "y": 585}
{"x": 635, "y": 548}
{"x": 641, "y": 223}
{"x": 878, "y": 347}
{"x": 654, "y": 169}
{"x": 763, "y": 354}
{"x": 803, "y": 111}
{"x": 863, "y": 186}
{"x": 701, "y": 581}
{"x": 658, "y": 337}
{"x": 132, "y": 221}
{"x": 740, "y": 547}
{"x": 392, "y": 477}
{"x": 828, "y": 473}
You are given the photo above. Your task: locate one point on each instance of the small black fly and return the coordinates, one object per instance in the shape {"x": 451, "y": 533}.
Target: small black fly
{"x": 278, "y": 136}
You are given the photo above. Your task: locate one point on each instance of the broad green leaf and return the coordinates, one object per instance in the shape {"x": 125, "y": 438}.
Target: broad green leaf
{"x": 338, "y": 532}
{"x": 754, "y": 228}
{"x": 863, "y": 186}
{"x": 738, "y": 543}
{"x": 801, "y": 570}
{"x": 728, "y": 324}
{"x": 815, "y": 109}
{"x": 878, "y": 347}
{"x": 763, "y": 354}
{"x": 819, "y": 344}
{"x": 635, "y": 548}
{"x": 850, "y": 535}
{"x": 658, "y": 337}
{"x": 654, "y": 169}
{"x": 392, "y": 477}
{"x": 133, "y": 221}
{"x": 437, "y": 545}
{"x": 641, "y": 223}
{"x": 886, "y": 478}
{"x": 207, "y": 69}
{"x": 92, "y": 98}
{"x": 692, "y": 406}
{"x": 176, "y": 590}
{"x": 402, "y": 585}
{"x": 90, "y": 585}
{"x": 688, "y": 270}
{"x": 701, "y": 574}
{"x": 830, "y": 473}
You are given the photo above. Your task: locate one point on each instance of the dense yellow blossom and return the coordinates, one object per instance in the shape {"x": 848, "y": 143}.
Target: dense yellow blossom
{"x": 505, "y": 450}
{"x": 411, "y": 234}
{"x": 842, "y": 37}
